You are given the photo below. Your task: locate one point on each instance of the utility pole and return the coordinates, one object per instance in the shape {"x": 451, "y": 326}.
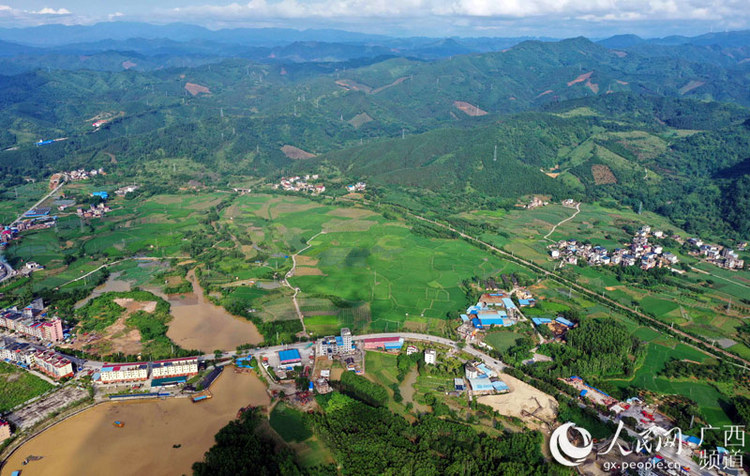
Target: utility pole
{"x": 494, "y": 157}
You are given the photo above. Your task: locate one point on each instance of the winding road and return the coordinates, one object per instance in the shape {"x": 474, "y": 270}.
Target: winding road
{"x": 296, "y": 290}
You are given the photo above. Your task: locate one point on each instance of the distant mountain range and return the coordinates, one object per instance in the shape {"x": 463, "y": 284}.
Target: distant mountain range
{"x": 116, "y": 46}
{"x": 659, "y": 122}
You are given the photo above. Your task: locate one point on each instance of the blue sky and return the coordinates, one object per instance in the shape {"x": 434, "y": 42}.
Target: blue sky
{"x": 556, "y": 18}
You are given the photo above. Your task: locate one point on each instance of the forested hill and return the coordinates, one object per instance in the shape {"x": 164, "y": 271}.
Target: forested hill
{"x": 568, "y": 118}
{"x": 686, "y": 159}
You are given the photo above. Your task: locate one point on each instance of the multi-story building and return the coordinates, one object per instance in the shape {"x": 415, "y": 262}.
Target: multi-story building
{"x": 180, "y": 367}
{"x": 32, "y": 322}
{"x": 18, "y": 352}
{"x": 430, "y": 356}
{"x": 346, "y": 340}
{"x": 4, "y": 430}
{"x": 53, "y": 364}
{"x": 131, "y": 372}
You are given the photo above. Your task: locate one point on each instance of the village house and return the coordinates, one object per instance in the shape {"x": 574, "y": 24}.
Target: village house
{"x": 638, "y": 252}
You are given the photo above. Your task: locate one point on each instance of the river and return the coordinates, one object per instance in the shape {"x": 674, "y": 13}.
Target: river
{"x": 200, "y": 324}
{"x": 89, "y": 443}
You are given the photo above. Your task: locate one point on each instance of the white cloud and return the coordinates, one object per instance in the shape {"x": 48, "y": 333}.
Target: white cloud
{"x": 21, "y": 17}
{"x": 406, "y": 17}
{"x": 592, "y": 10}
{"x": 51, "y": 11}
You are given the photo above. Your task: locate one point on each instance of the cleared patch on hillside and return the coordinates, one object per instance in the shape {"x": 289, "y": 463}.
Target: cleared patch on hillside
{"x": 351, "y": 85}
{"x": 544, "y": 93}
{"x": 360, "y": 119}
{"x": 619, "y": 81}
{"x": 619, "y": 54}
{"x": 383, "y": 88}
{"x": 469, "y": 109}
{"x": 127, "y": 64}
{"x": 690, "y": 86}
{"x": 602, "y": 174}
{"x": 196, "y": 89}
{"x": 592, "y": 86}
{"x": 295, "y": 153}
{"x": 581, "y": 78}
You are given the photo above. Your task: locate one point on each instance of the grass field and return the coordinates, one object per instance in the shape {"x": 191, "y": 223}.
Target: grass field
{"x": 502, "y": 340}
{"x": 289, "y": 423}
{"x": 18, "y": 386}
{"x": 381, "y": 367}
{"x": 400, "y": 274}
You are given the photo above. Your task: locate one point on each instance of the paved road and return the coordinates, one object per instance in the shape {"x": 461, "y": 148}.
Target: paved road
{"x": 8, "y": 269}
{"x": 20, "y": 217}
{"x": 95, "y": 365}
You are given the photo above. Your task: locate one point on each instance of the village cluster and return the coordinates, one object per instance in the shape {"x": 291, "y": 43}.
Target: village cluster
{"x": 638, "y": 253}
{"x": 300, "y": 184}
{"x": 537, "y": 202}
{"x": 357, "y": 187}
{"x": 73, "y": 176}
{"x": 718, "y": 255}
{"x": 646, "y": 417}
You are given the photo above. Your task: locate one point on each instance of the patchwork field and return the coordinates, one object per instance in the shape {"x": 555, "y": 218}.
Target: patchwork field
{"x": 18, "y": 386}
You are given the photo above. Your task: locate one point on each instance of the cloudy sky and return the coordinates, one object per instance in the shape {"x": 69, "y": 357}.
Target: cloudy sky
{"x": 556, "y": 18}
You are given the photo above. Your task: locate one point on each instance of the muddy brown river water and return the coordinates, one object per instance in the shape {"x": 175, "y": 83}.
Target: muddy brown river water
{"x": 200, "y": 324}
{"x": 89, "y": 443}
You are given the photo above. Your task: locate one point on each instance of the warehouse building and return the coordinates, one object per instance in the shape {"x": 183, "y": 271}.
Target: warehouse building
{"x": 384, "y": 343}
{"x": 289, "y": 358}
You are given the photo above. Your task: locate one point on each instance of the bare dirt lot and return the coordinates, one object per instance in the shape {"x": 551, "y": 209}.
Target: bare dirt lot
{"x": 522, "y": 401}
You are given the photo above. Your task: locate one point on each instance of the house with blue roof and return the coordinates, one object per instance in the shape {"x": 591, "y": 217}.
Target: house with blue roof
{"x": 541, "y": 320}
{"x": 481, "y": 385}
{"x": 565, "y": 322}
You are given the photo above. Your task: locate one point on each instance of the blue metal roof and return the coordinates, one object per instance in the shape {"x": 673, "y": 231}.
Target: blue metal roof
{"x": 480, "y": 384}
{"x": 464, "y": 317}
{"x": 509, "y": 304}
{"x": 564, "y": 321}
{"x": 489, "y": 321}
{"x": 500, "y": 386}
{"x": 289, "y": 355}
{"x": 541, "y": 320}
